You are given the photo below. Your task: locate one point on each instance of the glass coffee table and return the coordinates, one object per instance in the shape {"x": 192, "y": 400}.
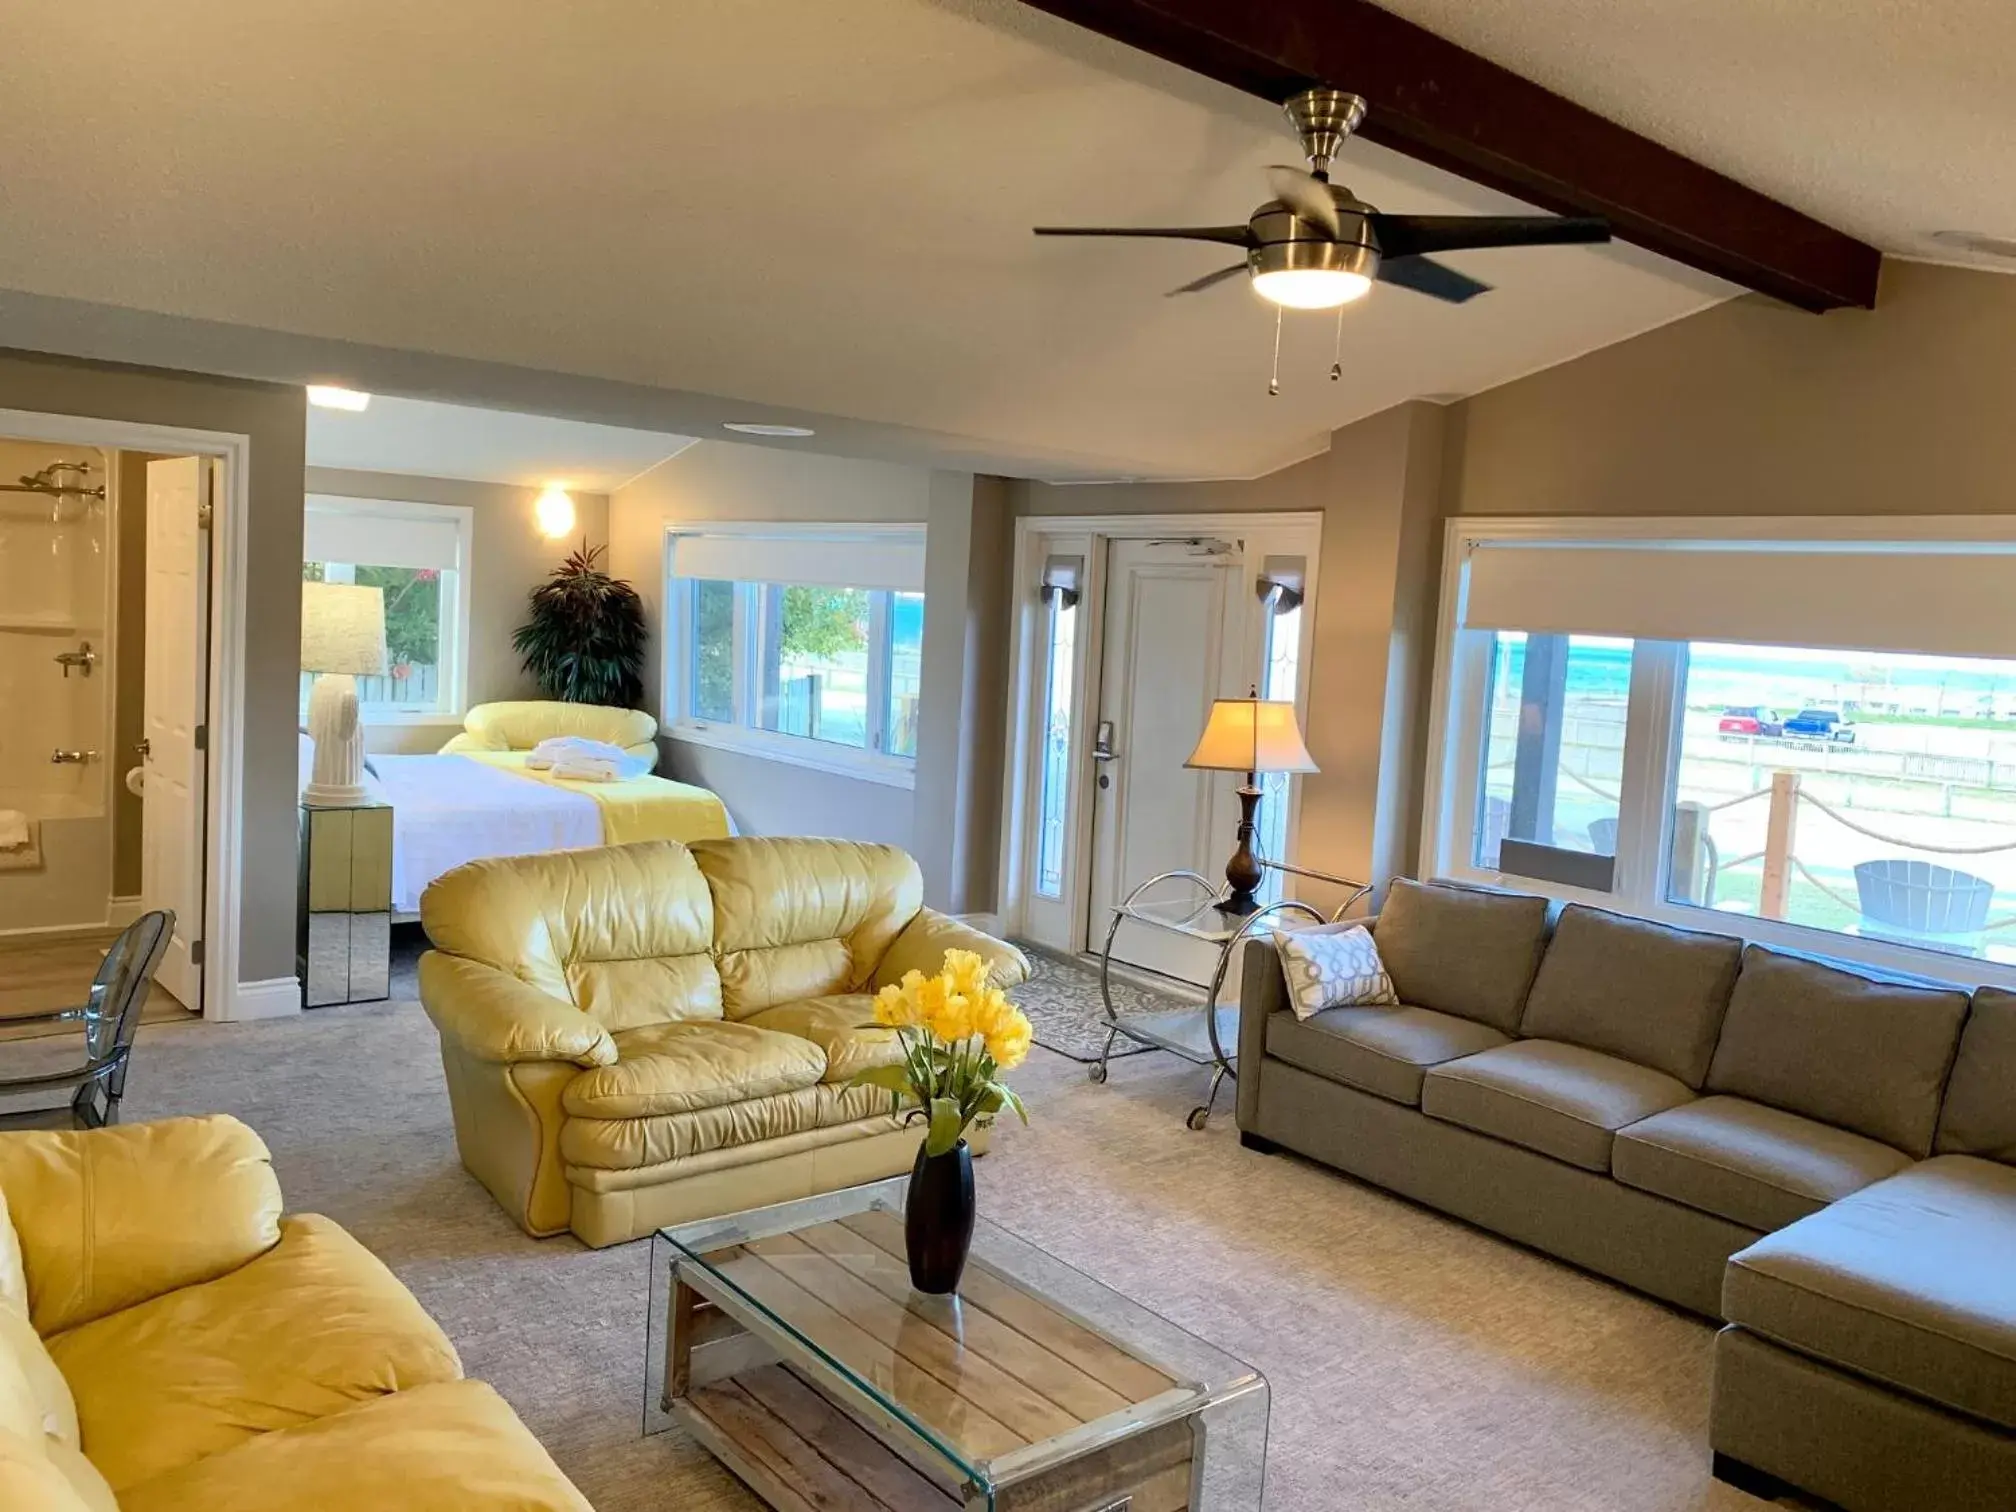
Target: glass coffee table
{"x": 789, "y": 1343}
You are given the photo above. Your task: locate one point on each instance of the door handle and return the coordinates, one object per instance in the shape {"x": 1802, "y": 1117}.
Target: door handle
{"x": 1102, "y": 742}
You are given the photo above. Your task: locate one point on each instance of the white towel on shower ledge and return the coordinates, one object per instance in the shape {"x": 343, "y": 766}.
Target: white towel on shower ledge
{"x": 14, "y": 830}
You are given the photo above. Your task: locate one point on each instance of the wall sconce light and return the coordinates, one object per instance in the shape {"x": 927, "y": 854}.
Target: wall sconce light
{"x": 555, "y": 511}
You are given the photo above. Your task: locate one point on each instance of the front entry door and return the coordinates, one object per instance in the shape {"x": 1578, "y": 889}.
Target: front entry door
{"x": 1173, "y": 634}
{"x": 176, "y": 679}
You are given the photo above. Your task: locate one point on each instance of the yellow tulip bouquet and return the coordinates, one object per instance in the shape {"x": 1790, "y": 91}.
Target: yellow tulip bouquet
{"x": 958, "y": 1035}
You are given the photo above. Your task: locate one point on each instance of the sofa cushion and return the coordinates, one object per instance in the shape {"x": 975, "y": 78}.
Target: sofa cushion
{"x": 1634, "y": 989}
{"x": 454, "y": 1444}
{"x": 683, "y": 1067}
{"x": 1979, "y": 1116}
{"x": 315, "y": 1325}
{"x": 32, "y": 1481}
{"x": 110, "y": 1217}
{"x": 628, "y": 1144}
{"x": 1750, "y": 1163}
{"x": 1379, "y": 1050}
{"x": 1560, "y": 1100}
{"x": 803, "y": 918}
{"x": 1847, "y": 1049}
{"x": 1908, "y": 1282}
{"x": 842, "y": 1026}
{"x": 26, "y": 1366}
{"x": 1462, "y": 950}
{"x": 624, "y": 932}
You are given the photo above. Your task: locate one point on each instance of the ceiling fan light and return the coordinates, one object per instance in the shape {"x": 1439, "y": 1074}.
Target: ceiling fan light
{"x": 1311, "y": 288}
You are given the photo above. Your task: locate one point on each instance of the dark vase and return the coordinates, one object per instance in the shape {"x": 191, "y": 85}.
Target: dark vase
{"x": 938, "y": 1218}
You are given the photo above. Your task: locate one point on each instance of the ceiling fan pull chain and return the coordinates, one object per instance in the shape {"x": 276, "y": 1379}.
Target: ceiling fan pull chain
{"x": 1337, "y": 351}
{"x": 1274, "y": 379}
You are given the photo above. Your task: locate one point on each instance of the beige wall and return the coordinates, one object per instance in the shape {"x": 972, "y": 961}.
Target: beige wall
{"x": 719, "y": 480}
{"x": 1377, "y": 489}
{"x": 273, "y": 417}
{"x": 508, "y": 559}
{"x": 1752, "y": 408}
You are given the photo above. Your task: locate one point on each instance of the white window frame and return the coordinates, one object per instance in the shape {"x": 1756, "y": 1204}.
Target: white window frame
{"x": 1652, "y": 732}
{"x": 451, "y": 692}
{"x": 742, "y": 735}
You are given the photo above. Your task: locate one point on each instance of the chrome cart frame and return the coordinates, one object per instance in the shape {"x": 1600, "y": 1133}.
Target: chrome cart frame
{"x": 1201, "y": 921}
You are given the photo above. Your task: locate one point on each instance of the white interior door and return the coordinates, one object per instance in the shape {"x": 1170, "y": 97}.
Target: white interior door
{"x": 177, "y": 665}
{"x": 1173, "y": 638}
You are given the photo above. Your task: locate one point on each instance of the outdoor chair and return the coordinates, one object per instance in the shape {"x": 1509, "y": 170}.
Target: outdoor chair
{"x": 1918, "y": 903}
{"x": 110, "y": 1016}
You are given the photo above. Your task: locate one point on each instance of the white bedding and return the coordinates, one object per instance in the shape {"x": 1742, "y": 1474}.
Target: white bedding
{"x": 447, "y": 810}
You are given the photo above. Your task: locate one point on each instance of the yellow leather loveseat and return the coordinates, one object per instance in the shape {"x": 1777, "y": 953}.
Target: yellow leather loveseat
{"x": 639, "y": 1035}
{"x": 520, "y": 724}
{"x": 170, "y": 1342}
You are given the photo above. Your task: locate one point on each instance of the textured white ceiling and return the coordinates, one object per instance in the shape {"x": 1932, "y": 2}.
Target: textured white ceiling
{"x": 1888, "y": 119}
{"x": 432, "y": 440}
{"x": 820, "y": 209}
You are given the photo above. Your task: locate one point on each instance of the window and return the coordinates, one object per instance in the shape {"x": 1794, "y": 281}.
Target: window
{"x": 1805, "y": 739}
{"x": 803, "y": 645}
{"x": 1280, "y": 681}
{"x": 1553, "y": 754}
{"x": 1055, "y": 778}
{"x": 417, "y": 554}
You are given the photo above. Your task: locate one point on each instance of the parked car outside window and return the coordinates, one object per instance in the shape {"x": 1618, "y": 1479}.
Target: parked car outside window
{"x": 1820, "y": 724}
{"x": 1751, "y": 720}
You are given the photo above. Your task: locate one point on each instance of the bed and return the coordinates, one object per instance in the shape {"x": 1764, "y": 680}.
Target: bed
{"x": 448, "y": 809}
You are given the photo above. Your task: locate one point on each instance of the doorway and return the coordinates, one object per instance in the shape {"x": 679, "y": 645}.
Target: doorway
{"x": 103, "y": 616}
{"x": 165, "y": 707}
{"x": 1126, "y": 629}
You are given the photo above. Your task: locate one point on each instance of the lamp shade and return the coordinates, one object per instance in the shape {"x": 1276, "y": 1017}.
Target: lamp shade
{"x": 1251, "y": 735}
{"x": 343, "y": 629}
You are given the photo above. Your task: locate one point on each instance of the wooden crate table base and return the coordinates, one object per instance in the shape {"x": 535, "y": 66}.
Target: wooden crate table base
{"x": 789, "y": 1343}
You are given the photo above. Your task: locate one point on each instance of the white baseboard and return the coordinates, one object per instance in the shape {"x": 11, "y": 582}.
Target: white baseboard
{"x": 277, "y": 997}
{"x": 120, "y": 912}
{"x": 986, "y": 923}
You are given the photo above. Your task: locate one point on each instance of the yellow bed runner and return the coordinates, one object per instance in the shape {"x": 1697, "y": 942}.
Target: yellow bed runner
{"x": 638, "y": 808}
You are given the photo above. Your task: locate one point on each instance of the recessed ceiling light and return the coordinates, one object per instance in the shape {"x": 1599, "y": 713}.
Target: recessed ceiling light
{"x": 1977, "y": 242}
{"x": 759, "y": 428}
{"x": 328, "y": 396}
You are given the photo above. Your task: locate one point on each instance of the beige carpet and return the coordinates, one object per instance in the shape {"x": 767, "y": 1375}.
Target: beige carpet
{"x": 1415, "y": 1363}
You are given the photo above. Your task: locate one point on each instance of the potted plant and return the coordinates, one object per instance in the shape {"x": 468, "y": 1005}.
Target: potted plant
{"x": 585, "y": 639}
{"x": 958, "y": 1034}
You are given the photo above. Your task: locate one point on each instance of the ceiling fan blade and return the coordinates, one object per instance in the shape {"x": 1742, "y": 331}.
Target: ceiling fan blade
{"x": 1198, "y": 285}
{"x": 1306, "y": 195}
{"x": 1231, "y": 236}
{"x": 1411, "y": 235}
{"x": 1426, "y": 276}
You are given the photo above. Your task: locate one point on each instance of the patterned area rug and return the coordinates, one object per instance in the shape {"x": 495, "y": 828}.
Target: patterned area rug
{"x": 1061, "y": 998}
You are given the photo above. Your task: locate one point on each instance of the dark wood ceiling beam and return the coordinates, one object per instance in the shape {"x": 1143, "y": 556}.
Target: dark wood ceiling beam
{"x": 1446, "y": 106}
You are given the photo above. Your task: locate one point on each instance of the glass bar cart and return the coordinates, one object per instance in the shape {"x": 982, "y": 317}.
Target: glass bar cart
{"x": 1200, "y": 1035}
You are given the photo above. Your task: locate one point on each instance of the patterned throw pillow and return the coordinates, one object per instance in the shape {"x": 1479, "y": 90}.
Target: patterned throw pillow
{"x": 1333, "y": 966}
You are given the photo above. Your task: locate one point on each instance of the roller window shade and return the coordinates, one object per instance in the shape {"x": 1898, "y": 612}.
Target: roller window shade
{"x": 359, "y": 536}
{"x": 1869, "y": 597}
{"x": 827, "y": 559}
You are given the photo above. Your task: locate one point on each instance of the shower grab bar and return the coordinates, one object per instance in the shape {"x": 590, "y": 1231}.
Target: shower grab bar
{"x": 60, "y": 757}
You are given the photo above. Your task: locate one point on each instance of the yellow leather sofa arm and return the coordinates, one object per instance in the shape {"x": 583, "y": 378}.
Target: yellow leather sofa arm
{"x": 495, "y": 1017}
{"x": 108, "y": 1218}
{"x": 924, "y": 940}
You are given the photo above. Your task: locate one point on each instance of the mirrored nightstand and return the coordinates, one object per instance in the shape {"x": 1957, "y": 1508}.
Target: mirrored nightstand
{"x": 343, "y": 939}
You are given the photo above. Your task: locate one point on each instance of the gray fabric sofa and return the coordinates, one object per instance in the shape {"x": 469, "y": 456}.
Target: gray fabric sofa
{"x": 1823, "y": 1159}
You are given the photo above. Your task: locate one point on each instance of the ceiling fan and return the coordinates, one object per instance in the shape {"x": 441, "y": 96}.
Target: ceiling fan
{"x": 1317, "y": 246}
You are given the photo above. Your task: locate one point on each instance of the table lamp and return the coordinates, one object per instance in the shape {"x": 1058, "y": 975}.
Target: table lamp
{"x": 342, "y": 638}
{"x": 1250, "y": 735}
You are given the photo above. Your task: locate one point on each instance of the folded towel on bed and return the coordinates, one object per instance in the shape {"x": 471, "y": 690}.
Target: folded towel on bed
{"x": 587, "y": 769}
{"x": 561, "y": 748}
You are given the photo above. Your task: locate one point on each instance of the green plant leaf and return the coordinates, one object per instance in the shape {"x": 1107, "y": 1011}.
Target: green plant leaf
{"x": 1007, "y": 1095}
{"x": 888, "y": 1078}
{"x": 946, "y": 1127}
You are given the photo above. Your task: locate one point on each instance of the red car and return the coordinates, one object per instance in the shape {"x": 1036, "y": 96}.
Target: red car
{"x": 1751, "y": 720}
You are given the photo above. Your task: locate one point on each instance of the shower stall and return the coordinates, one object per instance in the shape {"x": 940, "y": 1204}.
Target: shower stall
{"x": 58, "y": 592}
